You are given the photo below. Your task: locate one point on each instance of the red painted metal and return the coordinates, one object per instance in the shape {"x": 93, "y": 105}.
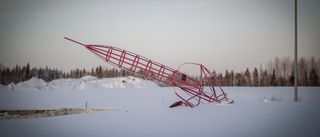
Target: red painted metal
{"x": 193, "y": 89}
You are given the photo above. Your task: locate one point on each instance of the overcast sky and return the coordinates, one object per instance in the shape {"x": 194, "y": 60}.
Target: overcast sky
{"x": 220, "y": 34}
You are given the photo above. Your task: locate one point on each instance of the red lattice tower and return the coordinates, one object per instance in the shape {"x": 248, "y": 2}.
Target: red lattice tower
{"x": 194, "y": 92}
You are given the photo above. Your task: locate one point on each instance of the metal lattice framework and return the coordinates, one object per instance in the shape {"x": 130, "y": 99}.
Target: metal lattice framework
{"x": 193, "y": 89}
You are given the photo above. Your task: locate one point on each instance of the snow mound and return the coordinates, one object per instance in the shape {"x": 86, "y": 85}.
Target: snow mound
{"x": 34, "y": 84}
{"x": 89, "y": 77}
{"x": 86, "y": 82}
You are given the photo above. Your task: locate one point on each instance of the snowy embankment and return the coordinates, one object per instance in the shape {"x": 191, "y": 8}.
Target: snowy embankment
{"x": 144, "y": 112}
{"x": 86, "y": 82}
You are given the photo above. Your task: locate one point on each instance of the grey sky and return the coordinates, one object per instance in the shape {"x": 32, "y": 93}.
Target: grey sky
{"x": 220, "y": 34}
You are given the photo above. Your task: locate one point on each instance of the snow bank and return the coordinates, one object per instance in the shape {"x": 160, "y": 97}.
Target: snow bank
{"x": 86, "y": 82}
{"x": 30, "y": 85}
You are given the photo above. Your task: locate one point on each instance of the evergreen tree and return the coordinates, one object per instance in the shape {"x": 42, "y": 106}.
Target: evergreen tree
{"x": 96, "y": 74}
{"x": 92, "y": 72}
{"x": 27, "y": 73}
{"x": 291, "y": 78}
{"x": 226, "y": 79}
{"x": 100, "y": 72}
{"x": 232, "y": 78}
{"x": 77, "y": 75}
{"x": 248, "y": 77}
{"x": 220, "y": 77}
{"x": 305, "y": 78}
{"x": 255, "y": 77}
{"x": 241, "y": 81}
{"x": 214, "y": 73}
{"x": 313, "y": 77}
{"x": 2, "y": 80}
{"x": 273, "y": 81}
{"x": 84, "y": 72}
{"x": 265, "y": 79}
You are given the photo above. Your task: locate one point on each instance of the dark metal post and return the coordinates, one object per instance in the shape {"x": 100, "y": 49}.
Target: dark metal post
{"x": 295, "y": 54}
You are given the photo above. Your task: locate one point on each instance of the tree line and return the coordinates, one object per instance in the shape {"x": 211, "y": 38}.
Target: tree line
{"x": 278, "y": 72}
{"x": 22, "y": 73}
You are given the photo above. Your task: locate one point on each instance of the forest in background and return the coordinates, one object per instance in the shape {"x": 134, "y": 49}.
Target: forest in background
{"x": 278, "y": 72}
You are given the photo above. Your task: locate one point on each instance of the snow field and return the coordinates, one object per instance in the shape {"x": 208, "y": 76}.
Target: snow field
{"x": 243, "y": 119}
{"x": 144, "y": 112}
{"x": 95, "y": 98}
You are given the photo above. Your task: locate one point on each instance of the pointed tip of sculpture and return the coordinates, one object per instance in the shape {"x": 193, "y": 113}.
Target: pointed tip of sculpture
{"x": 74, "y": 41}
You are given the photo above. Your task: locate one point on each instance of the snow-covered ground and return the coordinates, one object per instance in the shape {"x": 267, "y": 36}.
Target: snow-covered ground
{"x": 86, "y": 82}
{"x": 143, "y": 111}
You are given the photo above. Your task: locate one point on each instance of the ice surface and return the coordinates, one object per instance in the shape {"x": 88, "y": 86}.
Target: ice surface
{"x": 144, "y": 112}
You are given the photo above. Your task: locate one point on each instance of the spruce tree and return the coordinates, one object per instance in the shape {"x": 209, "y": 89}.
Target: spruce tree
{"x": 273, "y": 81}
{"x": 313, "y": 77}
{"x": 255, "y": 77}
{"x": 248, "y": 77}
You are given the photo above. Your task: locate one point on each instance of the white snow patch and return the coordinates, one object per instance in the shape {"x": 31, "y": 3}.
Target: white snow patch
{"x": 86, "y": 82}
{"x": 89, "y": 77}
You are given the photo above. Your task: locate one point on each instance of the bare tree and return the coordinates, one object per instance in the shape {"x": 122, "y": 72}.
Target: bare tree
{"x": 313, "y": 77}
{"x": 285, "y": 65}
{"x": 277, "y": 67}
{"x": 302, "y": 68}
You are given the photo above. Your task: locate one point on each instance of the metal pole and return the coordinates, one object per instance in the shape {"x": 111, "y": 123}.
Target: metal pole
{"x": 295, "y": 54}
{"x": 61, "y": 75}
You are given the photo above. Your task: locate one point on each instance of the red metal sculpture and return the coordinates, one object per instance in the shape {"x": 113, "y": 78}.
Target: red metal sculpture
{"x": 193, "y": 89}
